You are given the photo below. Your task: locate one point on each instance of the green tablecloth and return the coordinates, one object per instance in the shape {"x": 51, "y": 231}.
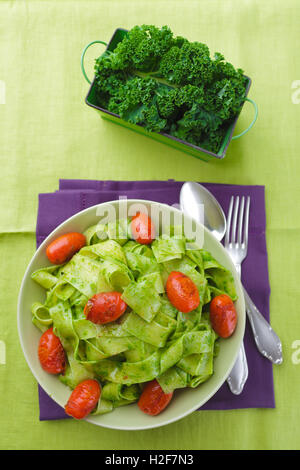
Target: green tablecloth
{"x": 47, "y": 132}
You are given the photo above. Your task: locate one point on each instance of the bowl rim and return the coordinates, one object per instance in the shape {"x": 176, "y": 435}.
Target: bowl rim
{"x": 91, "y": 418}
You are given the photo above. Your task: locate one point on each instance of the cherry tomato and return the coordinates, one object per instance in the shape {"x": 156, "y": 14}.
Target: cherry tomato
{"x": 83, "y": 399}
{"x": 223, "y": 315}
{"x": 51, "y": 353}
{"x": 153, "y": 400}
{"x": 104, "y": 307}
{"x": 64, "y": 247}
{"x": 182, "y": 292}
{"x": 142, "y": 228}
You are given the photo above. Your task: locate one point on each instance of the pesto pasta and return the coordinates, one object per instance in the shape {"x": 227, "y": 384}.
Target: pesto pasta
{"x": 152, "y": 339}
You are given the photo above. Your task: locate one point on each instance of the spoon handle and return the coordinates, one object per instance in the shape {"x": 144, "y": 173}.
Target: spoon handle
{"x": 267, "y": 341}
{"x": 239, "y": 373}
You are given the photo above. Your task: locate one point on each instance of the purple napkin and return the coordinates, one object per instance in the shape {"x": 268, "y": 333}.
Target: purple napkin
{"x": 76, "y": 195}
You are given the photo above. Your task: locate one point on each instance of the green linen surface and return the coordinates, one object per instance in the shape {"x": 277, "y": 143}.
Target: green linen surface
{"x": 47, "y": 132}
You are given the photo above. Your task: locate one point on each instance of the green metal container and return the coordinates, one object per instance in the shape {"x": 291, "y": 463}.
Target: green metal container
{"x": 198, "y": 152}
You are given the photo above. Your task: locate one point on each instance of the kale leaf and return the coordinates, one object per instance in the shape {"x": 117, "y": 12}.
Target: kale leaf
{"x": 169, "y": 84}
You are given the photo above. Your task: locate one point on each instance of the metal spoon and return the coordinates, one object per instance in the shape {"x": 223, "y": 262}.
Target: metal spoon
{"x": 192, "y": 203}
{"x": 191, "y": 196}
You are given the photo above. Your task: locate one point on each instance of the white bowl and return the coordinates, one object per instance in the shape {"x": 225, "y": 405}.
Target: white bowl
{"x": 129, "y": 417}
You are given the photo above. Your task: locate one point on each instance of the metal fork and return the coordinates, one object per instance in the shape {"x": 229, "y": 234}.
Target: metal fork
{"x": 237, "y": 249}
{"x": 238, "y": 245}
{"x": 267, "y": 341}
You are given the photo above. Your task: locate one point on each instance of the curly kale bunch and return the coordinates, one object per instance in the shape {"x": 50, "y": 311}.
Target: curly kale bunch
{"x": 168, "y": 84}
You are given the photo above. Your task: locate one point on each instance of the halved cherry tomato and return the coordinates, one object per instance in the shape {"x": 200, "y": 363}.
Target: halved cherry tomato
{"x": 142, "y": 228}
{"x": 83, "y": 399}
{"x": 223, "y": 315}
{"x": 105, "y": 307}
{"x": 51, "y": 353}
{"x": 64, "y": 247}
{"x": 182, "y": 292}
{"x": 153, "y": 400}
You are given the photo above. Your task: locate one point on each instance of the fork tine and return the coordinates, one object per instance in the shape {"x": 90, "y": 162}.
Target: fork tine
{"x": 235, "y": 213}
{"x": 229, "y": 221}
{"x": 246, "y": 227}
{"x": 240, "y": 224}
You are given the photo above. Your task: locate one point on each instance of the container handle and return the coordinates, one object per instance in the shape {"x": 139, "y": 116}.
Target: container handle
{"x": 253, "y": 121}
{"x": 82, "y": 58}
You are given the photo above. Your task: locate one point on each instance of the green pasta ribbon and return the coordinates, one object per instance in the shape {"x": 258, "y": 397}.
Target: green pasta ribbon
{"x": 152, "y": 339}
